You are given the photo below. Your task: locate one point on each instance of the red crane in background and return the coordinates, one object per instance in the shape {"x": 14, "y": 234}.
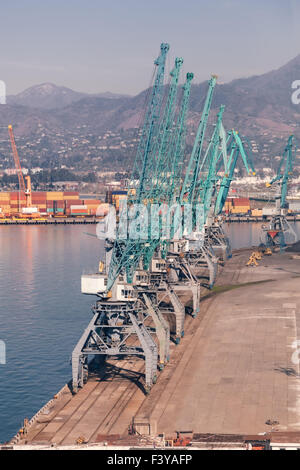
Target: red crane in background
{"x": 22, "y": 188}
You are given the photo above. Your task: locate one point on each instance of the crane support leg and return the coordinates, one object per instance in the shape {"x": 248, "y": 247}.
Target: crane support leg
{"x": 162, "y": 331}
{"x": 150, "y": 351}
{"x": 218, "y": 241}
{"x": 108, "y": 334}
{"x": 195, "y": 288}
{"x": 179, "y": 312}
{"x": 79, "y": 359}
{"x": 212, "y": 264}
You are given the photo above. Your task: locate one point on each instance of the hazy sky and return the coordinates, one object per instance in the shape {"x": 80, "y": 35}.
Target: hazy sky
{"x": 99, "y": 45}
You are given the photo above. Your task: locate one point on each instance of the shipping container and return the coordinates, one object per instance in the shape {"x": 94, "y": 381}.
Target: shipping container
{"x": 78, "y": 207}
{"x": 257, "y": 212}
{"x": 39, "y": 194}
{"x": 294, "y": 207}
{"x": 267, "y": 211}
{"x": 29, "y": 210}
{"x": 90, "y": 202}
{"x": 71, "y": 202}
{"x": 240, "y": 210}
{"x": 55, "y": 195}
{"x": 241, "y": 201}
{"x": 71, "y": 194}
{"x": 119, "y": 192}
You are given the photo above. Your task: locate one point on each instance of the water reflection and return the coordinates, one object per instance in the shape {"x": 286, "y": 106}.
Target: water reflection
{"x": 246, "y": 234}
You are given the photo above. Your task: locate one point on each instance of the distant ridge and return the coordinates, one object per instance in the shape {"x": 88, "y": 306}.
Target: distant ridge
{"x": 51, "y": 96}
{"x": 259, "y": 107}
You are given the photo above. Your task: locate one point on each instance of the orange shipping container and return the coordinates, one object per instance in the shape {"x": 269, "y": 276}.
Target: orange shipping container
{"x": 71, "y": 193}
{"x": 89, "y": 202}
{"x": 55, "y": 195}
{"x": 257, "y": 212}
{"x": 240, "y": 210}
{"x": 241, "y": 201}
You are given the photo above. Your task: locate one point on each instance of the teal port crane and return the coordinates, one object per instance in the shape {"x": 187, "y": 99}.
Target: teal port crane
{"x": 214, "y": 230}
{"x": 156, "y": 183}
{"x": 235, "y": 148}
{"x": 284, "y": 172}
{"x": 142, "y": 161}
{"x": 192, "y": 172}
{"x": 278, "y": 232}
{"x": 201, "y": 192}
{"x": 125, "y": 254}
{"x": 169, "y": 174}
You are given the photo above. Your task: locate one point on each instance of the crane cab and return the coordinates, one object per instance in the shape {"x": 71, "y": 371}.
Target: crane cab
{"x": 158, "y": 265}
{"x": 93, "y": 283}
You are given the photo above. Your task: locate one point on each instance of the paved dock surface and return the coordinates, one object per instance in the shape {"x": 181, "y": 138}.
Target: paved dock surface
{"x": 234, "y": 370}
{"x": 238, "y": 371}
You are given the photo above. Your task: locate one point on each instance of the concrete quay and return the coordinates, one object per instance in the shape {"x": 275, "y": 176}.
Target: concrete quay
{"x": 235, "y": 370}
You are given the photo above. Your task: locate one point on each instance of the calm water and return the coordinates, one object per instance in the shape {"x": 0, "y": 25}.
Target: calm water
{"x": 42, "y": 313}
{"x": 248, "y": 234}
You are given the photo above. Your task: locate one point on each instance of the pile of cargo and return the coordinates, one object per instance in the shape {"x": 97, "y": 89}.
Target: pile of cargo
{"x": 90, "y": 206}
{"x": 12, "y": 203}
{"x": 55, "y": 203}
{"x": 237, "y": 205}
{"x": 47, "y": 203}
{"x": 5, "y": 203}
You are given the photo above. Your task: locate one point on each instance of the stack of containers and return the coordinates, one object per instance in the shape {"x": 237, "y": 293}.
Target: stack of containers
{"x": 54, "y": 201}
{"x": 49, "y": 207}
{"x": 228, "y": 205}
{"x": 78, "y": 209}
{"x": 5, "y": 203}
{"x": 58, "y": 207}
{"x": 17, "y": 202}
{"x": 38, "y": 199}
{"x": 71, "y": 198}
{"x": 241, "y": 205}
{"x": 48, "y": 203}
{"x": 92, "y": 205}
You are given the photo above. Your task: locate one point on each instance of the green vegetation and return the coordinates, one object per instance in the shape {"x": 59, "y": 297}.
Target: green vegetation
{"x": 49, "y": 176}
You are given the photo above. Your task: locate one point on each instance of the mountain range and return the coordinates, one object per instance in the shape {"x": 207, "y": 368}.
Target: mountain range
{"x": 256, "y": 106}
{"x": 50, "y": 96}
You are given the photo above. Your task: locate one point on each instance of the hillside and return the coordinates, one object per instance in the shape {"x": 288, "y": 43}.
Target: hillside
{"x": 260, "y": 107}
